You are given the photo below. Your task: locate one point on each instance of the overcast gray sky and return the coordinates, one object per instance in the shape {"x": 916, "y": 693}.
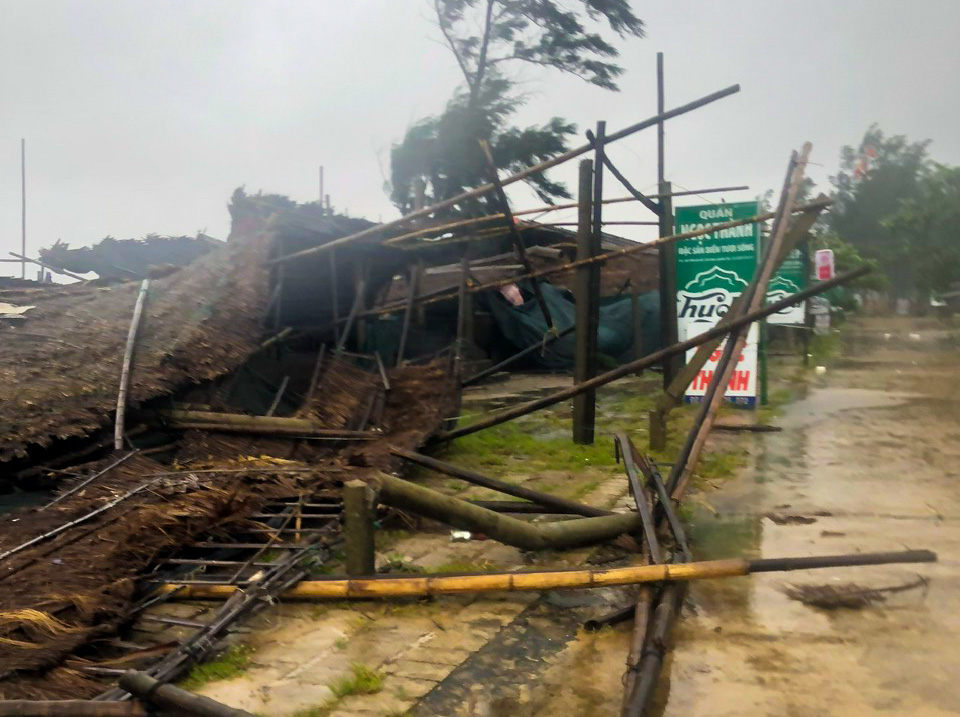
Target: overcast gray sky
{"x": 144, "y": 116}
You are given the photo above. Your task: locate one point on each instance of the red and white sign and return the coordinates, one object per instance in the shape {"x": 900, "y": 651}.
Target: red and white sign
{"x": 742, "y": 389}
{"x": 823, "y": 261}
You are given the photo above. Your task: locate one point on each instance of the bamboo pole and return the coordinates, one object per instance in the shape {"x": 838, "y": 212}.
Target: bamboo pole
{"x": 541, "y": 499}
{"x": 587, "y": 306}
{"x": 515, "y": 236}
{"x": 278, "y": 397}
{"x": 545, "y": 209}
{"x": 817, "y": 204}
{"x": 70, "y": 708}
{"x": 649, "y": 360}
{"x": 461, "y": 514}
{"x": 127, "y": 360}
{"x": 673, "y": 395}
{"x": 446, "y": 584}
{"x": 539, "y": 345}
{"x": 755, "y": 297}
{"x": 239, "y": 423}
{"x": 413, "y": 277}
{"x": 640, "y": 496}
{"x": 88, "y": 481}
{"x": 168, "y": 697}
{"x": 25, "y": 260}
{"x": 519, "y": 176}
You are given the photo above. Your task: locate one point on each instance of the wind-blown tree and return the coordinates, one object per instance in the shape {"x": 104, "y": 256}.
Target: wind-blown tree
{"x": 927, "y": 230}
{"x": 873, "y": 180}
{"x": 440, "y": 156}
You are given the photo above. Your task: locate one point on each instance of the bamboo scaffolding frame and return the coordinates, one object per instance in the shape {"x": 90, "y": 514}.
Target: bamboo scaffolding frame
{"x": 816, "y": 205}
{"x": 545, "y": 209}
{"x": 519, "y": 176}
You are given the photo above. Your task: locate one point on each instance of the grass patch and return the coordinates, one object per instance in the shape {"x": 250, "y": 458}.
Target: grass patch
{"x": 520, "y": 445}
{"x": 361, "y": 681}
{"x": 234, "y": 661}
{"x": 824, "y": 347}
{"x": 463, "y": 566}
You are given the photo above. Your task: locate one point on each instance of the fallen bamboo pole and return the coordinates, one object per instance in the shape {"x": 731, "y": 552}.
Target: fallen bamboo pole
{"x": 519, "y": 176}
{"x": 755, "y": 297}
{"x": 535, "y": 496}
{"x": 446, "y": 584}
{"x": 85, "y": 483}
{"x": 24, "y": 259}
{"x": 127, "y": 360}
{"x": 432, "y": 504}
{"x": 542, "y": 344}
{"x": 239, "y": 423}
{"x": 70, "y": 708}
{"x": 651, "y": 359}
{"x": 169, "y": 698}
{"x": 673, "y": 395}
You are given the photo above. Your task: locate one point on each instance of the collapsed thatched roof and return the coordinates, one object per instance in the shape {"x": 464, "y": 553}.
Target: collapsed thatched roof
{"x": 60, "y": 369}
{"x": 129, "y": 258}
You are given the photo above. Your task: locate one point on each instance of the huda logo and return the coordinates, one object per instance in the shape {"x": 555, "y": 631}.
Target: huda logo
{"x": 780, "y": 288}
{"x": 707, "y": 297}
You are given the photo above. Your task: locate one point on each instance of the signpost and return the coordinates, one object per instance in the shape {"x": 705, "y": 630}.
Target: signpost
{"x": 712, "y": 270}
{"x": 823, "y": 260}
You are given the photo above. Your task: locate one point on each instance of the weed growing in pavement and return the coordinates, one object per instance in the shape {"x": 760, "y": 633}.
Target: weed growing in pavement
{"x": 362, "y": 680}
{"x": 234, "y": 661}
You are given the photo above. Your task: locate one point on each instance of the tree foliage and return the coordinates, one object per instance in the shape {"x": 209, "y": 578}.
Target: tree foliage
{"x": 927, "y": 231}
{"x": 439, "y": 156}
{"x": 873, "y": 180}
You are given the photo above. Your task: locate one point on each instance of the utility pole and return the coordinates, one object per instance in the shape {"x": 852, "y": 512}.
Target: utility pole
{"x": 321, "y": 187}
{"x": 667, "y": 252}
{"x": 23, "y": 207}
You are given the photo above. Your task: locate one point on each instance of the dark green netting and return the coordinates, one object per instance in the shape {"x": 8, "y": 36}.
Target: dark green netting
{"x": 525, "y": 325}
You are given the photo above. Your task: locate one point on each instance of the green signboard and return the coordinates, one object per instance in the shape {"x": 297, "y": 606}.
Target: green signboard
{"x": 789, "y": 279}
{"x": 712, "y": 270}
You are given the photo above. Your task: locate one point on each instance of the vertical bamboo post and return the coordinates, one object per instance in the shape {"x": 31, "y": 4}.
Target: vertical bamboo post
{"x": 637, "y": 323}
{"x": 335, "y": 295}
{"x": 461, "y": 320}
{"x": 413, "y": 284}
{"x": 585, "y": 351}
{"x": 666, "y": 257}
{"x": 127, "y": 361}
{"x": 23, "y": 207}
{"x": 360, "y": 285}
{"x": 358, "y": 528}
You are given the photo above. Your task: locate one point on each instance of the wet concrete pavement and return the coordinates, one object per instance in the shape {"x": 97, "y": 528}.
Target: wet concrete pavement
{"x": 872, "y": 456}
{"x": 868, "y": 460}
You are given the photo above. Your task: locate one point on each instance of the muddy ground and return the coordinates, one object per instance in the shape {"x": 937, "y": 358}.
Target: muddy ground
{"x": 868, "y": 460}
